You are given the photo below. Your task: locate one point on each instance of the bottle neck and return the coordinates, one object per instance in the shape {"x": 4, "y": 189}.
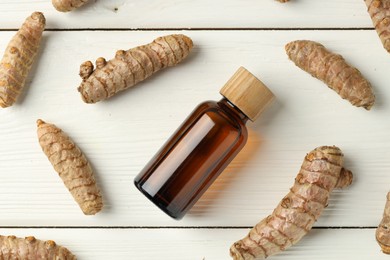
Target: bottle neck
{"x": 227, "y": 106}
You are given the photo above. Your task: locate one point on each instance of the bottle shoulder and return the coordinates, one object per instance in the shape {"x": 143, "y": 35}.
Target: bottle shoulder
{"x": 208, "y": 104}
{"x": 226, "y": 115}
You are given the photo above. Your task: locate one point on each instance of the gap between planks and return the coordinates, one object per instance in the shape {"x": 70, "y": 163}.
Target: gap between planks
{"x": 206, "y": 29}
{"x": 164, "y": 227}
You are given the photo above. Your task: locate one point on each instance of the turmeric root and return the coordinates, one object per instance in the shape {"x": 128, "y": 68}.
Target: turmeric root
{"x": 12, "y": 247}
{"x": 295, "y": 215}
{"x": 283, "y": 1}
{"x": 332, "y": 69}
{"x": 18, "y": 58}
{"x": 67, "y": 5}
{"x": 130, "y": 67}
{"x": 379, "y": 11}
{"x": 72, "y": 166}
{"x": 383, "y": 230}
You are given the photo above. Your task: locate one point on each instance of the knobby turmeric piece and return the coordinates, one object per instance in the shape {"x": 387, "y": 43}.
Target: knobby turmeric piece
{"x": 379, "y": 11}
{"x": 18, "y": 58}
{"x": 295, "y": 215}
{"x": 332, "y": 69}
{"x": 12, "y": 247}
{"x": 383, "y": 230}
{"x": 283, "y": 1}
{"x": 67, "y": 5}
{"x": 71, "y": 165}
{"x": 130, "y": 67}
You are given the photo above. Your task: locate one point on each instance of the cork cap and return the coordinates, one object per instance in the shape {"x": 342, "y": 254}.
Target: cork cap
{"x": 247, "y": 93}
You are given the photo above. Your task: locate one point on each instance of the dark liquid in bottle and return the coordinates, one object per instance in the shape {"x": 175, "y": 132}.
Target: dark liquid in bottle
{"x": 193, "y": 157}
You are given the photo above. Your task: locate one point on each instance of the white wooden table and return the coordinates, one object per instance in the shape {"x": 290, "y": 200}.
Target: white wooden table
{"x": 119, "y": 136}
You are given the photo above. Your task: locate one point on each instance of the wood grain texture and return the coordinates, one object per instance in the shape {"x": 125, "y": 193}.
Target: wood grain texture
{"x": 195, "y": 244}
{"x": 189, "y": 14}
{"x": 120, "y": 135}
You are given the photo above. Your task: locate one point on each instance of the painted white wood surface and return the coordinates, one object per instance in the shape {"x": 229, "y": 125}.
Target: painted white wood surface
{"x": 190, "y": 14}
{"x": 120, "y": 135}
{"x": 199, "y": 244}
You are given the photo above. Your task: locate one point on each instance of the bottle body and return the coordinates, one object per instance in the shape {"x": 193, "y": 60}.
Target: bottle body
{"x": 193, "y": 157}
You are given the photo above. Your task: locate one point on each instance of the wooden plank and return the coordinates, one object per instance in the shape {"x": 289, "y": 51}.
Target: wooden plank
{"x": 199, "y": 244}
{"x": 190, "y": 14}
{"x": 121, "y": 135}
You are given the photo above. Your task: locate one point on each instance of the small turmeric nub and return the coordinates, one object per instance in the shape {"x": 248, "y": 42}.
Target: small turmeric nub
{"x": 379, "y": 11}
{"x": 131, "y": 67}
{"x": 71, "y": 165}
{"x": 383, "y": 230}
{"x": 67, "y": 5}
{"x": 12, "y": 247}
{"x": 320, "y": 173}
{"x": 19, "y": 57}
{"x": 333, "y": 70}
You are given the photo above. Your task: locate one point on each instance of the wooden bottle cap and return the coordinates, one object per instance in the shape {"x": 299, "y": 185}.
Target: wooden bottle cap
{"x": 247, "y": 93}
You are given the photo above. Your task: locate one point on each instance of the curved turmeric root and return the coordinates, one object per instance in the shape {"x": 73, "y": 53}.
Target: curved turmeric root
{"x": 379, "y": 11}
{"x": 12, "y": 247}
{"x": 72, "y": 166}
{"x": 283, "y": 1}
{"x": 333, "y": 70}
{"x": 67, "y": 5}
{"x": 295, "y": 215}
{"x": 130, "y": 67}
{"x": 383, "y": 230}
{"x": 19, "y": 57}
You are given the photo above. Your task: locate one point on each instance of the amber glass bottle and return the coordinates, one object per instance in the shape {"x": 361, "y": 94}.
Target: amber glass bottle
{"x": 207, "y": 141}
